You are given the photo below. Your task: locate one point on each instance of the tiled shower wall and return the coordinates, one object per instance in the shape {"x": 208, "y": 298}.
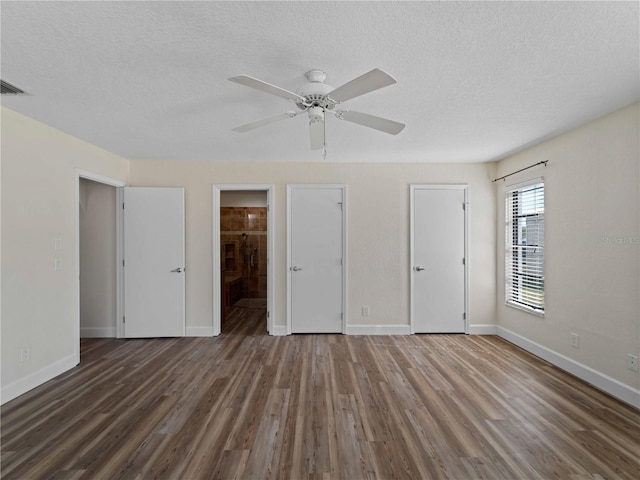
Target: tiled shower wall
{"x": 236, "y": 254}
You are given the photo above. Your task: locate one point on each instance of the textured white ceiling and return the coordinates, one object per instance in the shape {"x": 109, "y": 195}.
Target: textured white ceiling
{"x": 476, "y": 80}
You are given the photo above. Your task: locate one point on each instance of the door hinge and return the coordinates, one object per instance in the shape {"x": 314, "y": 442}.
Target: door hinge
{"x": 340, "y": 203}
{"x": 464, "y": 261}
{"x": 464, "y": 206}
{"x": 464, "y": 316}
{"x": 123, "y": 205}
{"x": 123, "y": 319}
{"x": 268, "y": 314}
{"x": 341, "y": 316}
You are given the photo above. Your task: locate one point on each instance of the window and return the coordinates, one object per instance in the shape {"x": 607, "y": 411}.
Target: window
{"x": 524, "y": 242}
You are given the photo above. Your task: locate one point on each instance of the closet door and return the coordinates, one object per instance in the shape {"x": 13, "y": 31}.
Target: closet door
{"x": 315, "y": 252}
{"x": 154, "y": 262}
{"x": 438, "y": 268}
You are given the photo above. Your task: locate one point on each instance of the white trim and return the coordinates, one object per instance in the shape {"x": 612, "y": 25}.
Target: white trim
{"x": 345, "y": 259}
{"x": 288, "y": 324}
{"x": 378, "y": 330}
{"x": 98, "y": 332}
{"x": 271, "y": 260}
{"x": 599, "y": 380}
{"x": 37, "y": 378}
{"x": 523, "y": 308}
{"x": 483, "y": 330}
{"x": 76, "y": 254}
{"x": 526, "y": 183}
{"x": 279, "y": 330}
{"x": 412, "y": 231}
{"x": 199, "y": 331}
{"x": 120, "y": 263}
{"x": 345, "y": 262}
{"x": 99, "y": 178}
{"x": 450, "y": 186}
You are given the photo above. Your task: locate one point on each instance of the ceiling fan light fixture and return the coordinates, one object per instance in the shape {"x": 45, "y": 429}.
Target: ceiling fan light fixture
{"x": 316, "y": 114}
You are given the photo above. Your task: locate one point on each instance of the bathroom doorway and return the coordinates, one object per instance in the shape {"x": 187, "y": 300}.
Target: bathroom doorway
{"x": 242, "y": 287}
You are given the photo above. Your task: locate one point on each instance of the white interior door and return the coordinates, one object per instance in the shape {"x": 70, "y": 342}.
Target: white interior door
{"x": 316, "y": 258}
{"x": 438, "y": 270}
{"x": 154, "y": 275}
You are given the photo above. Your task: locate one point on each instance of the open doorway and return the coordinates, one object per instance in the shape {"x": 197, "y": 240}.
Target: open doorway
{"x": 97, "y": 257}
{"x": 98, "y": 246}
{"x": 242, "y": 246}
{"x": 243, "y": 255}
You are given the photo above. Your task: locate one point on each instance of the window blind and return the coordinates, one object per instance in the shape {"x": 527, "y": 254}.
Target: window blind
{"x": 524, "y": 241}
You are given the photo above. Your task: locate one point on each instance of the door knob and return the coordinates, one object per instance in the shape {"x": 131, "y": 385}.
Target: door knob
{"x": 419, "y": 268}
{"x": 296, "y": 269}
{"x": 176, "y": 270}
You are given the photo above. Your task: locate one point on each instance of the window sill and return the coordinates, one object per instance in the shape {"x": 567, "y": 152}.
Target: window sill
{"x": 522, "y": 308}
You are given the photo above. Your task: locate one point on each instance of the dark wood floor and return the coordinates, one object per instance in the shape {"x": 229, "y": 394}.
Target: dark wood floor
{"x": 248, "y": 406}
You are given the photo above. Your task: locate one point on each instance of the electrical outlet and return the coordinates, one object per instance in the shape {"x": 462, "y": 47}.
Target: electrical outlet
{"x": 25, "y": 353}
{"x": 365, "y": 311}
{"x": 575, "y": 340}
{"x": 632, "y": 362}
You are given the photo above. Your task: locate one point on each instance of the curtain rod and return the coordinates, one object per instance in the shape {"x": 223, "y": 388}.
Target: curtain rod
{"x": 544, "y": 162}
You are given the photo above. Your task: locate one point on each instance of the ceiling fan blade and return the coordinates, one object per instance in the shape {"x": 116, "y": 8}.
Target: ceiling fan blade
{"x": 264, "y": 121}
{"x": 266, "y": 87}
{"x": 316, "y": 133}
{"x": 379, "y": 123}
{"x": 366, "y": 83}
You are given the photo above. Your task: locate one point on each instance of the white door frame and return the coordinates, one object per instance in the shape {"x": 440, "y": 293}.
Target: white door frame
{"x": 76, "y": 254}
{"x": 343, "y": 187}
{"x": 456, "y": 186}
{"x": 217, "y": 301}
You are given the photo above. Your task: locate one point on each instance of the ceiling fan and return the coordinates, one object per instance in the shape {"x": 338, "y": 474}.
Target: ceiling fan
{"x": 316, "y": 98}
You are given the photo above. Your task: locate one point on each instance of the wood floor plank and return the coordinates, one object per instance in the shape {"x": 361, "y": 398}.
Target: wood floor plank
{"x": 245, "y": 405}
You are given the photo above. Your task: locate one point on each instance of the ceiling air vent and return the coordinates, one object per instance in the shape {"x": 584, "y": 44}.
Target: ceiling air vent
{"x": 8, "y": 89}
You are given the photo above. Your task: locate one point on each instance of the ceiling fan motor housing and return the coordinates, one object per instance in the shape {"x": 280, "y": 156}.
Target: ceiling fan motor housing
{"x": 315, "y": 91}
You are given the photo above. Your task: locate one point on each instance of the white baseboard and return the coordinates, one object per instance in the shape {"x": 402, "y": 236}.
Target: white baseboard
{"x": 279, "y": 330}
{"x": 37, "y": 378}
{"x": 199, "y": 332}
{"x": 483, "y": 329}
{"x": 98, "y": 332}
{"x": 378, "y": 330}
{"x": 599, "y": 380}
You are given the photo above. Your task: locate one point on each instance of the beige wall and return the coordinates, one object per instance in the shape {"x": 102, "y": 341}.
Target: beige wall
{"x": 39, "y": 205}
{"x": 592, "y": 226}
{"x": 97, "y": 259}
{"x": 592, "y": 214}
{"x": 378, "y": 229}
